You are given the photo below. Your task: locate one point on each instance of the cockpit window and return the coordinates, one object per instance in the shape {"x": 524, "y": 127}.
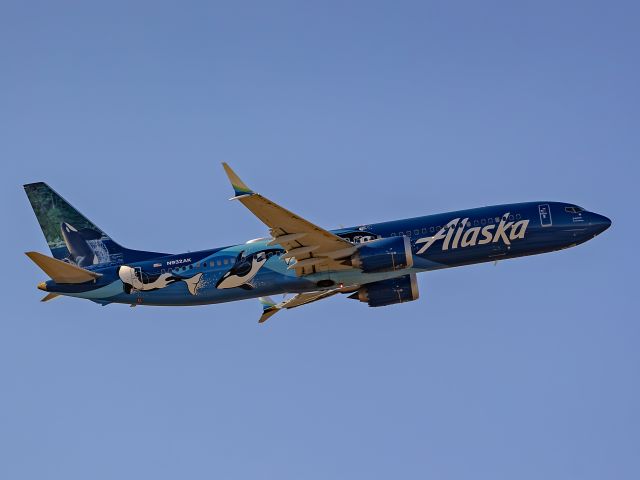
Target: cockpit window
{"x": 574, "y": 209}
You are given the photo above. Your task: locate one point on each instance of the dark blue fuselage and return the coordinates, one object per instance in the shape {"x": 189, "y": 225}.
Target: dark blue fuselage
{"x": 437, "y": 241}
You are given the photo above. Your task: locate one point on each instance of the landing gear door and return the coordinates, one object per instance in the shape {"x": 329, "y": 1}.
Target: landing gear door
{"x": 545, "y": 215}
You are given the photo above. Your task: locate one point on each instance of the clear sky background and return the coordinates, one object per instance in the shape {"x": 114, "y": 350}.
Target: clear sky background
{"x": 346, "y": 113}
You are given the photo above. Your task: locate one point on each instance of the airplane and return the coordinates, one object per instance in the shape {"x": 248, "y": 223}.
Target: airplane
{"x": 373, "y": 263}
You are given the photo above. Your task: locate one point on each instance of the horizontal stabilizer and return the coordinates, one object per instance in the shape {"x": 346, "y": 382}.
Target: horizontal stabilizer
{"x": 49, "y": 296}
{"x": 62, "y": 272}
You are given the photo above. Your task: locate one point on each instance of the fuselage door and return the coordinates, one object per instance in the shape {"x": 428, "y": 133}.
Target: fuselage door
{"x": 545, "y": 215}
{"x": 138, "y": 274}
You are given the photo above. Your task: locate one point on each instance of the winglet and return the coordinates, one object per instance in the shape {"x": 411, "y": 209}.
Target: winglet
{"x": 269, "y": 308}
{"x": 239, "y": 187}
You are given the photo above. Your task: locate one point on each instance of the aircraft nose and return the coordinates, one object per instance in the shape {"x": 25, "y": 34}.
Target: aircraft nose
{"x": 599, "y": 223}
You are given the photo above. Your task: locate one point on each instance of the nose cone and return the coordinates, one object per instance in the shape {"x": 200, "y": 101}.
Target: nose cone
{"x": 42, "y": 286}
{"x": 599, "y": 223}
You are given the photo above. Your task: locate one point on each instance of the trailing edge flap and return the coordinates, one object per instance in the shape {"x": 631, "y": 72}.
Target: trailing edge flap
{"x": 62, "y": 272}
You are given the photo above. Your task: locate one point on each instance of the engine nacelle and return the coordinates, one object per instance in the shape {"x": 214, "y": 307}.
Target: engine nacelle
{"x": 383, "y": 255}
{"x": 388, "y": 292}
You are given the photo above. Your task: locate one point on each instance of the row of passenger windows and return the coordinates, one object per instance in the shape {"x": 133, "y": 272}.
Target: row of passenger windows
{"x": 212, "y": 264}
{"x": 476, "y": 223}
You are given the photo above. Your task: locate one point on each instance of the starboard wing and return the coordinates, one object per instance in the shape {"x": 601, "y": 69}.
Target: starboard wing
{"x": 309, "y": 247}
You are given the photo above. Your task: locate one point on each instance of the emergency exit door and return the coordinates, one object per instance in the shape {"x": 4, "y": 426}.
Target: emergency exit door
{"x": 545, "y": 215}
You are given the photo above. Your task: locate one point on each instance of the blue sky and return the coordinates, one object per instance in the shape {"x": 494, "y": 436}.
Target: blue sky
{"x": 347, "y": 113}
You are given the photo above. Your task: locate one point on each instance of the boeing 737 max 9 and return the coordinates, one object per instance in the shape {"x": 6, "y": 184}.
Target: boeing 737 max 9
{"x": 373, "y": 263}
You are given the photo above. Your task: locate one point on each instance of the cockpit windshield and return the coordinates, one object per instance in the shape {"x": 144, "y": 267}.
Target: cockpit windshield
{"x": 574, "y": 209}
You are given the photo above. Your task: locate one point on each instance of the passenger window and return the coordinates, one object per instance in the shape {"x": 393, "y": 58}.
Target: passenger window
{"x": 219, "y": 263}
{"x": 226, "y": 261}
{"x": 416, "y": 232}
{"x": 511, "y": 217}
{"x": 393, "y": 234}
{"x": 475, "y": 223}
{"x": 483, "y": 221}
{"x": 424, "y": 230}
{"x": 518, "y": 216}
{"x": 431, "y": 229}
{"x": 408, "y": 233}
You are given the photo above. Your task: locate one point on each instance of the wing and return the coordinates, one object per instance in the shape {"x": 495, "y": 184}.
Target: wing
{"x": 270, "y": 308}
{"x": 311, "y": 248}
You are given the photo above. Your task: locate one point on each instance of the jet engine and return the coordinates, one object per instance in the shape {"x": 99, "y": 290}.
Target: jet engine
{"x": 383, "y": 255}
{"x": 388, "y": 292}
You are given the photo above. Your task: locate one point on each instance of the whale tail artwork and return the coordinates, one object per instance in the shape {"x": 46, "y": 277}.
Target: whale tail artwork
{"x": 71, "y": 236}
{"x": 192, "y": 283}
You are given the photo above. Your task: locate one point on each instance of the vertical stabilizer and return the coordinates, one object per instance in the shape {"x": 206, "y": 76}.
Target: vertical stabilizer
{"x": 71, "y": 236}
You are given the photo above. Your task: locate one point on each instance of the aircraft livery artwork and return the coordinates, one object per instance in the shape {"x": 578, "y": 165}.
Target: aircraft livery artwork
{"x": 505, "y": 231}
{"x": 71, "y": 237}
{"x": 373, "y": 263}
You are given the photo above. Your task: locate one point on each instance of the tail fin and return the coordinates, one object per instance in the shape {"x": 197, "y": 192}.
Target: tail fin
{"x": 73, "y": 237}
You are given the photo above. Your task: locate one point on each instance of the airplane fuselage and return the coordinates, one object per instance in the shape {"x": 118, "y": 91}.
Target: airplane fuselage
{"x": 257, "y": 269}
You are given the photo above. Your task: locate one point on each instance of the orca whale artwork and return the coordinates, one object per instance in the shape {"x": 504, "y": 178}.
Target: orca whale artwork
{"x": 245, "y": 269}
{"x": 375, "y": 264}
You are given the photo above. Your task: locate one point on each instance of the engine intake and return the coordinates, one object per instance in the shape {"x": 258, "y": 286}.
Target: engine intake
{"x": 384, "y": 255}
{"x": 389, "y": 292}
